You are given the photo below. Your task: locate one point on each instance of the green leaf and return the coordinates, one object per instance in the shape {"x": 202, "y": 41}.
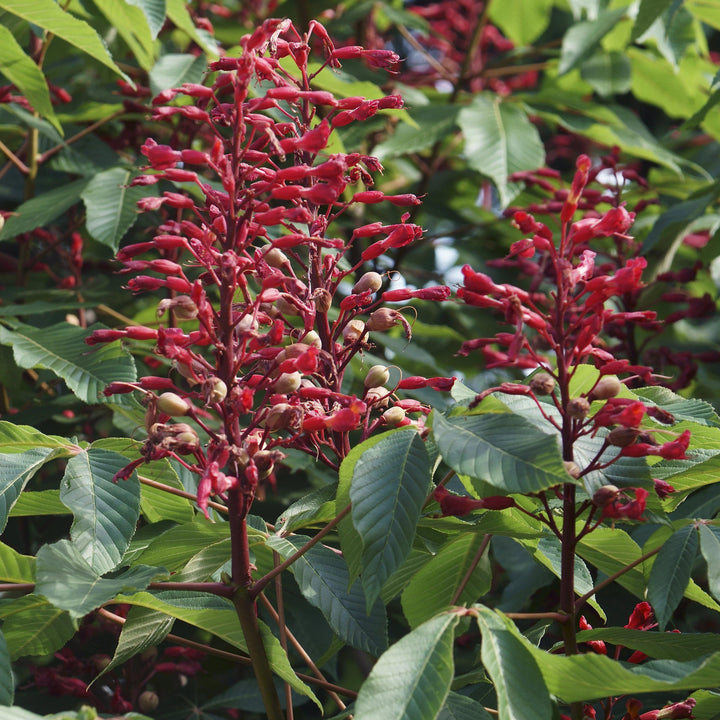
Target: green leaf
{"x": 518, "y": 681}
{"x": 106, "y": 512}
{"x": 42, "y": 502}
{"x": 178, "y": 13}
{"x": 522, "y": 21}
{"x": 61, "y": 348}
{"x": 317, "y": 506}
{"x": 22, "y": 72}
{"x": 648, "y": 12}
{"x": 670, "y": 573}
{"x": 692, "y": 409}
{"x": 218, "y": 617}
{"x": 411, "y": 680}
{"x": 19, "y": 438}
{"x": 143, "y": 628}
{"x": 16, "y": 469}
{"x": 323, "y": 578}
{"x": 710, "y": 548}
{"x": 499, "y": 140}
{"x": 33, "y": 626}
{"x": 111, "y": 205}
{"x": 666, "y": 646}
{"x": 461, "y": 707}
{"x": 154, "y": 11}
{"x": 7, "y": 685}
{"x": 14, "y": 567}
{"x": 131, "y": 24}
{"x": 42, "y": 209}
{"x": 66, "y": 579}
{"x": 435, "y": 122}
{"x": 174, "y": 69}
{"x": 503, "y": 449}
{"x": 609, "y": 73}
{"x": 48, "y": 15}
{"x": 433, "y": 587}
{"x": 578, "y": 678}
{"x": 583, "y": 38}
{"x": 389, "y": 486}
{"x": 610, "y": 550}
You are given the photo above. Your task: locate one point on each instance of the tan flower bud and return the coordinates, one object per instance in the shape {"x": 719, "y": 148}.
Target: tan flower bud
{"x": 322, "y": 299}
{"x": 369, "y": 281}
{"x": 578, "y": 408}
{"x": 287, "y": 383}
{"x": 605, "y": 495}
{"x": 606, "y": 388}
{"x": 572, "y": 469}
{"x": 286, "y": 308}
{"x": 353, "y": 331}
{"x": 216, "y": 390}
{"x": 313, "y": 339}
{"x": 148, "y": 701}
{"x": 394, "y": 416}
{"x": 377, "y": 376}
{"x": 383, "y": 319}
{"x": 542, "y": 384}
{"x": 275, "y": 257}
{"x": 377, "y": 396}
{"x": 622, "y": 436}
{"x": 172, "y": 404}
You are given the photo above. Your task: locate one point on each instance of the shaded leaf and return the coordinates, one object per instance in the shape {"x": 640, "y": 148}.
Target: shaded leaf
{"x": 609, "y": 73}
{"x": 33, "y": 626}
{"x": 518, "y": 681}
{"x": 143, "y": 629}
{"x": 411, "y": 679}
{"x": 710, "y": 548}
{"x": 323, "y": 578}
{"x": 433, "y": 588}
{"x": 7, "y": 685}
{"x": 522, "y": 21}
{"x": 670, "y": 573}
{"x": 316, "y": 507}
{"x": 178, "y": 13}
{"x": 24, "y": 73}
{"x": 662, "y": 645}
{"x": 435, "y": 122}
{"x": 583, "y": 38}
{"x": 503, "y": 449}
{"x": 389, "y": 486}
{"x": 16, "y": 469}
{"x": 14, "y": 567}
{"x": 42, "y": 502}
{"x": 111, "y": 205}
{"x": 106, "y": 512}
{"x": 218, "y": 617}
{"x": 174, "y": 69}
{"x": 648, "y": 12}
{"x": 66, "y": 579}
{"x": 461, "y": 707}
{"x": 499, "y": 140}
{"x": 43, "y": 209}
{"x": 62, "y": 349}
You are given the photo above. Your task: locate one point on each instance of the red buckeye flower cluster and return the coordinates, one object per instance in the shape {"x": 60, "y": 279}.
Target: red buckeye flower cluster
{"x": 256, "y": 321}
{"x": 555, "y": 332}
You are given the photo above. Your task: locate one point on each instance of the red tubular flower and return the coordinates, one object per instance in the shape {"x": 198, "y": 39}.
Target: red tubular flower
{"x": 597, "y": 646}
{"x": 459, "y": 505}
{"x": 632, "y": 509}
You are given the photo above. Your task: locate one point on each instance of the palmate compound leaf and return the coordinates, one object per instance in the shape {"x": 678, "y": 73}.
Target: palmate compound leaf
{"x": 411, "y": 680}
{"x": 62, "y": 349}
{"x": 106, "y": 512}
{"x": 390, "y": 482}
{"x": 503, "y": 449}
{"x": 66, "y": 579}
{"x": 519, "y": 684}
{"x": 323, "y": 578}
